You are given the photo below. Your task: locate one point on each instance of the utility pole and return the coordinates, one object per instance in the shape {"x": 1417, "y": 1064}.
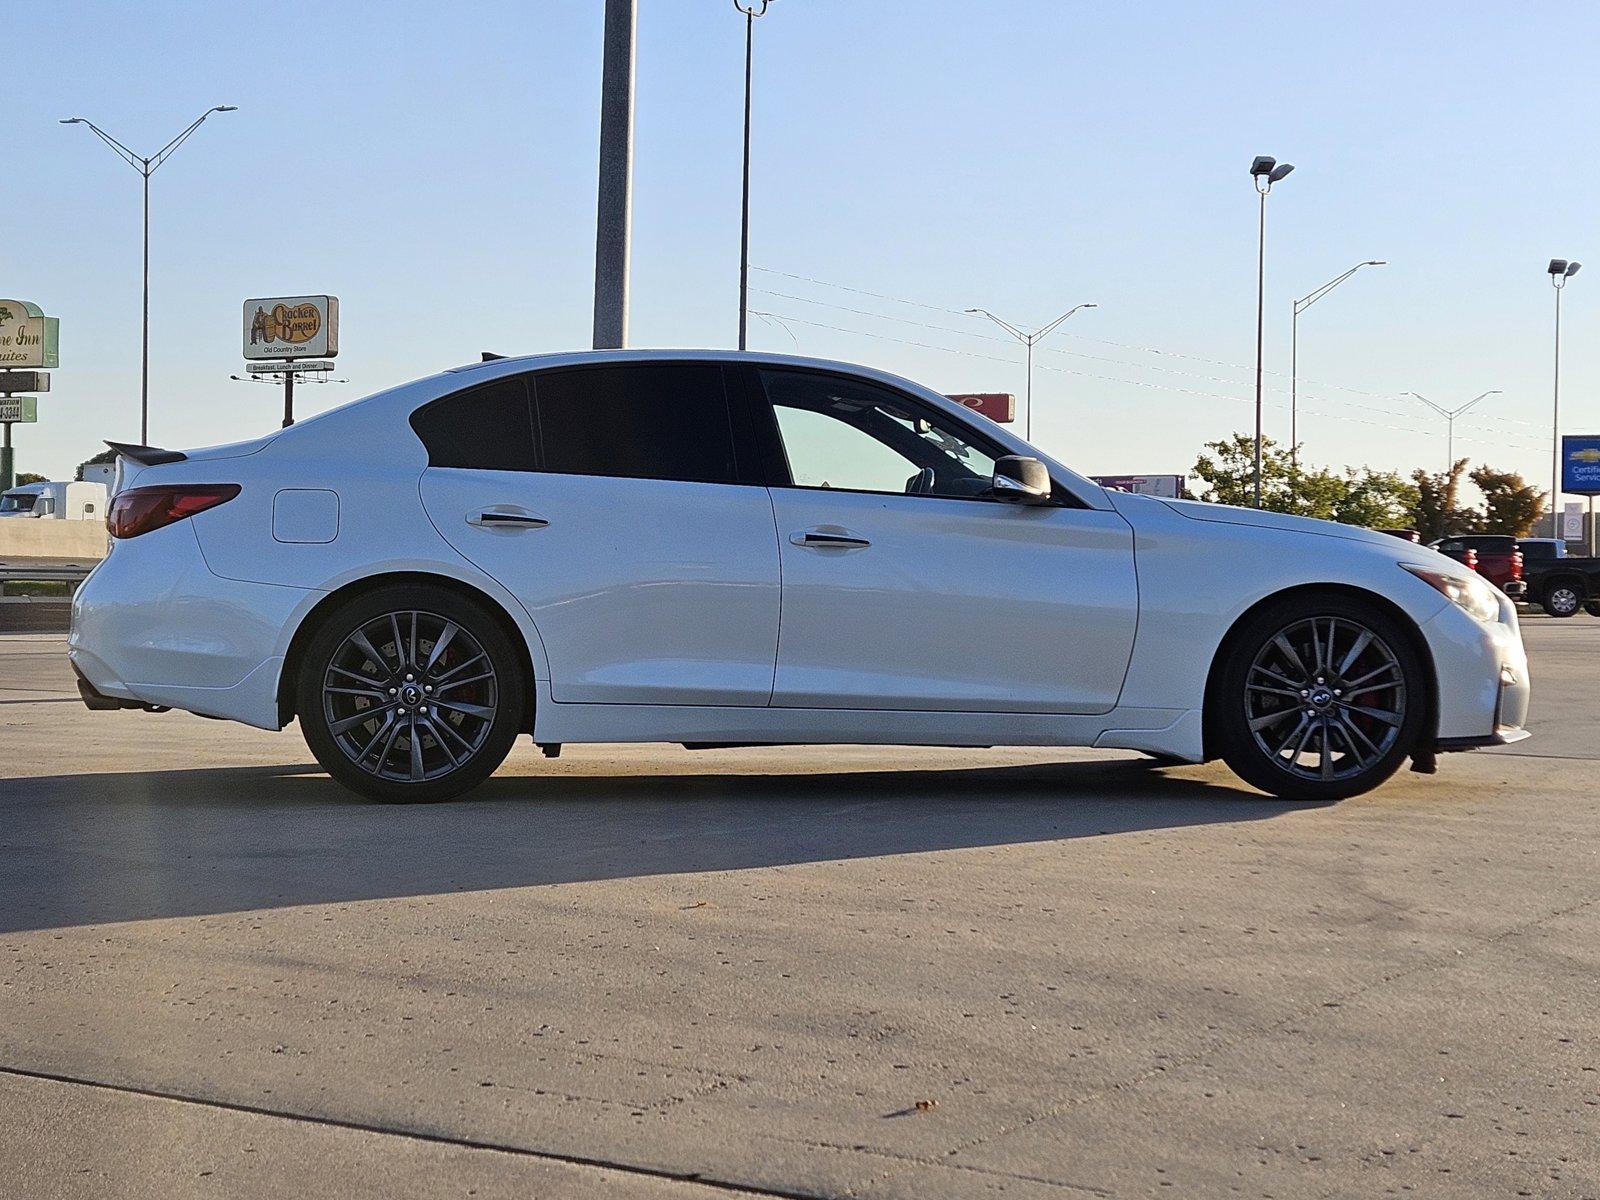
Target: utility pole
{"x": 614, "y": 208}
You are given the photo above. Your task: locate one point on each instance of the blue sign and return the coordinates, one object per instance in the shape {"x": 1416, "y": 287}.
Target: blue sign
{"x": 1580, "y": 464}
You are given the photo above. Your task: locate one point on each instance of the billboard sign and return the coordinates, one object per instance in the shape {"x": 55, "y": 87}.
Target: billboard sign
{"x": 997, "y": 406}
{"x": 1169, "y": 487}
{"x": 285, "y": 327}
{"x": 1580, "y": 464}
{"x": 19, "y": 410}
{"x": 28, "y": 338}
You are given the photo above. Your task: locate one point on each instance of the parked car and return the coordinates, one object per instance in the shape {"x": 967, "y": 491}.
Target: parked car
{"x": 718, "y": 548}
{"x": 56, "y": 501}
{"x": 1493, "y": 555}
{"x": 1559, "y": 582}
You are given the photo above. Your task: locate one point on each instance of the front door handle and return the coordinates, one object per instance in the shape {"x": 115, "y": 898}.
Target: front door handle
{"x": 826, "y": 539}
{"x": 506, "y": 518}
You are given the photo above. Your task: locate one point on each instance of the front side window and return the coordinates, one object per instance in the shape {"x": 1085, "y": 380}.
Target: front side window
{"x": 637, "y": 421}
{"x": 842, "y": 433}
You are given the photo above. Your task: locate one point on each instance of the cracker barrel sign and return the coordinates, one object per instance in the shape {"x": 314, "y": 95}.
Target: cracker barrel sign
{"x": 288, "y": 327}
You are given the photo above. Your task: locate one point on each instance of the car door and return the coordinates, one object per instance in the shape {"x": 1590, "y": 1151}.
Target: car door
{"x": 608, "y": 499}
{"x": 906, "y": 585}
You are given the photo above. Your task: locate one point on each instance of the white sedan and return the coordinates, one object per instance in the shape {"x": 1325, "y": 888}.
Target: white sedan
{"x": 736, "y": 549}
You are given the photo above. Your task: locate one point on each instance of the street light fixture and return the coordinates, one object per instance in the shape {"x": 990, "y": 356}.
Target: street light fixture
{"x": 1300, "y": 306}
{"x": 1450, "y": 415}
{"x": 146, "y": 166}
{"x": 751, "y": 10}
{"x": 1264, "y": 172}
{"x": 1560, "y": 270}
{"x": 1028, "y": 340}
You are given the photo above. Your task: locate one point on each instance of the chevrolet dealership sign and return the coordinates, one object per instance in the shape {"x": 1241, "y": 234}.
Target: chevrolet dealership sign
{"x": 28, "y": 338}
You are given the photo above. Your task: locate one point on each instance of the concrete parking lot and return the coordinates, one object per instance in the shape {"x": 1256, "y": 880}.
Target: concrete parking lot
{"x": 639, "y": 971}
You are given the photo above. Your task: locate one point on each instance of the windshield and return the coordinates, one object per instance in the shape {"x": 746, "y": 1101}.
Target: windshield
{"x": 17, "y": 502}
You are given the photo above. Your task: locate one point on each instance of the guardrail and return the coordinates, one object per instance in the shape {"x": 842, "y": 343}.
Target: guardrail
{"x": 15, "y": 572}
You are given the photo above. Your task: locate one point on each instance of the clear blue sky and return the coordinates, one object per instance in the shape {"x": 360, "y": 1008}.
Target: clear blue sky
{"x": 434, "y": 166}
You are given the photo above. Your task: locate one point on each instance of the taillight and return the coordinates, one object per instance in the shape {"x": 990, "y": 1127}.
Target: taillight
{"x": 140, "y": 510}
{"x": 1516, "y": 564}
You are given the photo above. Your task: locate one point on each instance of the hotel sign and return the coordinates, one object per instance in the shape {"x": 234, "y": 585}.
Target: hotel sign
{"x": 28, "y": 338}
{"x": 288, "y": 327}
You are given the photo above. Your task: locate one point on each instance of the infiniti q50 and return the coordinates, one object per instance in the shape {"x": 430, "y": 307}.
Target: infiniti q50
{"x": 717, "y": 548}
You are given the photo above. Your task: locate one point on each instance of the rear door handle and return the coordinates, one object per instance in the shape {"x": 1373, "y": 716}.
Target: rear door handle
{"x": 836, "y": 539}
{"x": 506, "y": 518}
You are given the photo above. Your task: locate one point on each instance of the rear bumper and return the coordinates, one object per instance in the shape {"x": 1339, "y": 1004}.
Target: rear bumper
{"x": 153, "y": 628}
{"x": 1514, "y": 588}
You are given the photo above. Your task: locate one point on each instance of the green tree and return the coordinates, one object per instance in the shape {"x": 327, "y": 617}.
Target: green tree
{"x": 1510, "y": 504}
{"x": 1438, "y": 510}
{"x": 26, "y": 477}
{"x": 1354, "y": 496}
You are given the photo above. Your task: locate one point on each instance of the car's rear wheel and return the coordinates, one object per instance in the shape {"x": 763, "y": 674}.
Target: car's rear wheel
{"x": 410, "y": 694}
{"x": 1320, "y": 698}
{"x": 1562, "y": 598}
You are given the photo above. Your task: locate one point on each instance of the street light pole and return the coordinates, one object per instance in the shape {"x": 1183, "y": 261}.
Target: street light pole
{"x": 1559, "y": 270}
{"x": 751, "y": 10}
{"x": 1264, "y": 171}
{"x": 1300, "y": 306}
{"x": 1450, "y": 415}
{"x": 146, "y": 166}
{"x": 1028, "y": 340}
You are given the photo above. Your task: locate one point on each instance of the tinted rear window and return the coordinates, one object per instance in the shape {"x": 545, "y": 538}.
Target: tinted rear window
{"x": 485, "y": 428}
{"x": 638, "y": 421}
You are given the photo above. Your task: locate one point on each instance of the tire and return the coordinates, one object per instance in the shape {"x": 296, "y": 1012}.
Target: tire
{"x": 1372, "y": 668}
{"x": 1562, "y": 598}
{"x": 417, "y": 745}
{"x": 1592, "y": 607}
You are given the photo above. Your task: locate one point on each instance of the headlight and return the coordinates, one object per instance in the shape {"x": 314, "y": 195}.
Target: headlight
{"x": 1473, "y": 594}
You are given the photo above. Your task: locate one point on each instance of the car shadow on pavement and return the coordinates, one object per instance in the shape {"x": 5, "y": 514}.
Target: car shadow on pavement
{"x": 85, "y": 849}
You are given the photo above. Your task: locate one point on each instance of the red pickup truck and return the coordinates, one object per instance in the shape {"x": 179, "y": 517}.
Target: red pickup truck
{"x": 1493, "y": 555}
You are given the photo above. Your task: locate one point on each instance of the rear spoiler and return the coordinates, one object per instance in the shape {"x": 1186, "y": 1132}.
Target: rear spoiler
{"x": 148, "y": 456}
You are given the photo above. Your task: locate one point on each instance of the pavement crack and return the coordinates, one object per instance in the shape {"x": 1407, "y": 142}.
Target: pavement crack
{"x": 729, "y": 1186}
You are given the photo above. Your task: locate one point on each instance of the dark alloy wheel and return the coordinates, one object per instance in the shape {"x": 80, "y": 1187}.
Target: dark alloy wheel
{"x": 1320, "y": 699}
{"x": 411, "y": 694}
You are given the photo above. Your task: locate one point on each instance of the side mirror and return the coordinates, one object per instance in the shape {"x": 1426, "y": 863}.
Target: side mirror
{"x": 1021, "y": 480}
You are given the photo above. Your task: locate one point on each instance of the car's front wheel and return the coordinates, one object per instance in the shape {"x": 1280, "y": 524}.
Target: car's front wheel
{"x": 410, "y": 693}
{"x": 1320, "y": 698}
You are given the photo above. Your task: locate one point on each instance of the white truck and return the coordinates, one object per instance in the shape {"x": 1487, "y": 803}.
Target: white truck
{"x": 56, "y": 501}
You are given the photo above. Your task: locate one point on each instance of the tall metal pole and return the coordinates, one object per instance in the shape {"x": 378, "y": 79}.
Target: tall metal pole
{"x": 1029, "y": 340}
{"x": 1294, "y": 388}
{"x": 1555, "y": 428}
{"x": 744, "y": 202}
{"x": 613, "y": 219}
{"x": 147, "y": 165}
{"x": 751, "y": 10}
{"x": 288, "y": 399}
{"x": 7, "y": 465}
{"x": 144, "y": 355}
{"x": 1261, "y": 310}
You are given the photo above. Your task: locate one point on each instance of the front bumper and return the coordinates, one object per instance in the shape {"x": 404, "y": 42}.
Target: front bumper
{"x": 1482, "y": 675}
